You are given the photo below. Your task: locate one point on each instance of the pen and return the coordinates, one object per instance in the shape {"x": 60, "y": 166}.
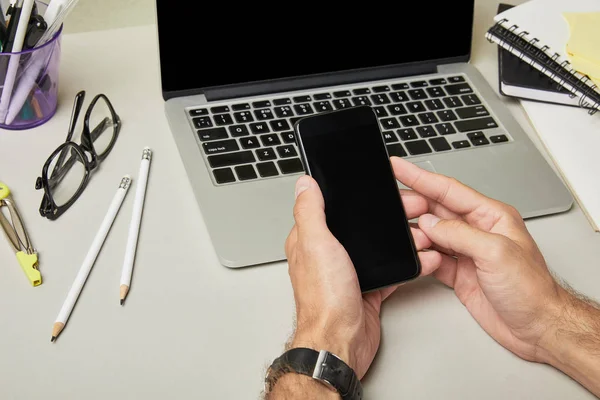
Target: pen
{"x": 86, "y": 267}
{"x": 134, "y": 226}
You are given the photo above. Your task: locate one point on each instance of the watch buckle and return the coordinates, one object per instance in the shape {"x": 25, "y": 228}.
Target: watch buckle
{"x": 318, "y": 370}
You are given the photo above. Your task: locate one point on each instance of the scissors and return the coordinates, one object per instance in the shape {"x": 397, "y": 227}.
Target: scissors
{"x": 18, "y": 238}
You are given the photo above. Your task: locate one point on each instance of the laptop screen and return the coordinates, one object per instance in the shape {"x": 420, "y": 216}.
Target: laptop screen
{"x": 223, "y": 43}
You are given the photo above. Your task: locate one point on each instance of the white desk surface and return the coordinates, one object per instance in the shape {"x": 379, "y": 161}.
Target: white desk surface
{"x": 192, "y": 328}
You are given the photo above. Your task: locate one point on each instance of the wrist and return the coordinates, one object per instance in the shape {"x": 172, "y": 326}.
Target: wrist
{"x": 338, "y": 345}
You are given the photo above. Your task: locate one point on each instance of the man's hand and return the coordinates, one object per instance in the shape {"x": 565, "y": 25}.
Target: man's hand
{"x": 499, "y": 274}
{"x": 331, "y": 312}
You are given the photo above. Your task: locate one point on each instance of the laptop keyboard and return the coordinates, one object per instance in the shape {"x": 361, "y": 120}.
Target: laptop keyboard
{"x": 244, "y": 141}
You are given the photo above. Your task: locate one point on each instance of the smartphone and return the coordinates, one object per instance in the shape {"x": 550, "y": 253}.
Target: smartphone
{"x": 345, "y": 152}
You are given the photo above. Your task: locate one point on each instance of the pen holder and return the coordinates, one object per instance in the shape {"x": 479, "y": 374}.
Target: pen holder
{"x": 30, "y": 91}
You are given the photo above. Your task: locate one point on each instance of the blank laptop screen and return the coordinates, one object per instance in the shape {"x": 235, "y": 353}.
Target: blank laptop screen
{"x": 207, "y": 44}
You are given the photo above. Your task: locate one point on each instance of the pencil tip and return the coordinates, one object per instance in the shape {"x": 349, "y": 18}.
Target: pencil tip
{"x": 53, "y": 339}
{"x": 122, "y": 301}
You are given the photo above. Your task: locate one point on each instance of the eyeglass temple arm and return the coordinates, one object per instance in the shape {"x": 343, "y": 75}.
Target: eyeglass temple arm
{"x": 74, "y": 116}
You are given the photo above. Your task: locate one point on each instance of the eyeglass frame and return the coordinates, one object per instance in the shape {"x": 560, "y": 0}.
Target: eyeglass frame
{"x": 48, "y": 207}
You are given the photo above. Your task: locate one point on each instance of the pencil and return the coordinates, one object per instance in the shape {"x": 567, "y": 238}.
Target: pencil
{"x": 134, "y": 225}
{"x": 86, "y": 267}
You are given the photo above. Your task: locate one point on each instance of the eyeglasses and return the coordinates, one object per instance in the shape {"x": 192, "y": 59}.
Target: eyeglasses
{"x": 67, "y": 171}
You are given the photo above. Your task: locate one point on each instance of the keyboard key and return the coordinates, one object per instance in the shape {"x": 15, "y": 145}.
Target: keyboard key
{"x": 243, "y": 116}
{"x": 223, "y": 119}
{"x": 475, "y": 135}
{"x": 238, "y": 130}
{"x": 380, "y": 111}
{"x": 471, "y": 99}
{"x": 270, "y": 140}
{"x": 417, "y": 94}
{"x": 407, "y": 134}
{"x": 220, "y": 146}
{"x": 440, "y": 144}
{"x": 228, "y": 159}
{"x": 440, "y": 81}
{"x": 240, "y": 107}
{"x": 455, "y": 79}
{"x": 303, "y": 109}
{"x": 342, "y": 93}
{"x": 475, "y": 124}
{"x": 263, "y": 114}
{"x": 459, "y": 88}
{"x": 390, "y": 123}
{"x": 322, "y": 106}
{"x": 266, "y": 154}
{"x": 361, "y": 101}
{"x": 498, "y": 139}
{"x": 279, "y": 125}
{"x": 426, "y": 131}
{"x": 418, "y": 147}
{"x": 409, "y": 120}
{"x": 480, "y": 141}
{"x": 435, "y": 104}
{"x": 400, "y": 86}
{"x": 284, "y": 111}
{"x": 302, "y": 99}
{"x": 219, "y": 109}
{"x": 447, "y": 115}
{"x": 399, "y": 97}
{"x": 202, "y": 122}
{"x": 380, "y": 98}
{"x": 397, "y": 150}
{"x": 452, "y": 102}
{"x": 224, "y": 175}
{"x": 380, "y": 89}
{"x": 358, "y": 92}
{"x": 267, "y": 169}
{"x": 428, "y": 118}
{"x": 445, "y": 128}
{"x": 250, "y": 142}
{"x": 198, "y": 112}
{"x": 461, "y": 144}
{"x": 341, "y": 103}
{"x": 259, "y": 127}
{"x": 293, "y": 120}
{"x": 472, "y": 112}
{"x": 287, "y": 151}
{"x": 436, "y": 91}
{"x": 212, "y": 134}
{"x": 290, "y": 165}
{"x": 415, "y": 106}
{"x": 390, "y": 137}
{"x": 261, "y": 104}
{"x": 418, "y": 84}
{"x": 245, "y": 172}
{"x": 322, "y": 96}
{"x": 288, "y": 137}
{"x": 282, "y": 102}
{"x": 397, "y": 109}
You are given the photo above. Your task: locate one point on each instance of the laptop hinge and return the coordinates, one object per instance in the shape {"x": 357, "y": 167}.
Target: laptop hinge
{"x": 315, "y": 81}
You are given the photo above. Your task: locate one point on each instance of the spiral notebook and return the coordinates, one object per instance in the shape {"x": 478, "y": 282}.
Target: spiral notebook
{"x": 537, "y": 33}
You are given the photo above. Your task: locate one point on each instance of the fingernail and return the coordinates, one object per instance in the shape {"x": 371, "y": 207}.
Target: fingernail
{"x": 302, "y": 184}
{"x": 433, "y": 221}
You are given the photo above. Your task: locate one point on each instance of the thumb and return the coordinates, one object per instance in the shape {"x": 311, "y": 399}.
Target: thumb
{"x": 309, "y": 210}
{"x": 461, "y": 238}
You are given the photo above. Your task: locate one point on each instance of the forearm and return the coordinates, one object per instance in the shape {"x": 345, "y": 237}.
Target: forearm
{"x": 293, "y": 386}
{"x": 573, "y": 343}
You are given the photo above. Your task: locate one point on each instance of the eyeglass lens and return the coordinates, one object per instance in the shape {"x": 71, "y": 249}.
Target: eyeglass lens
{"x": 68, "y": 177}
{"x": 102, "y": 126}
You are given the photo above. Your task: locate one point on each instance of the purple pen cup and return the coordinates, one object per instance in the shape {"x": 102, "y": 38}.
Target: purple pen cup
{"x": 29, "y": 93}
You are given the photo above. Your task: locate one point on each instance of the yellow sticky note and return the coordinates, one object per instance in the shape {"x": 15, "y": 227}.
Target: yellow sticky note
{"x": 584, "y": 40}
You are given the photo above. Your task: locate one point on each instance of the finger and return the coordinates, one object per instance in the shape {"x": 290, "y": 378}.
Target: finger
{"x": 421, "y": 240}
{"x": 291, "y": 240}
{"x": 431, "y": 206}
{"x": 446, "y": 272}
{"x": 430, "y": 261}
{"x": 446, "y": 191}
{"x": 309, "y": 210}
{"x": 415, "y": 205}
{"x": 461, "y": 238}
{"x": 387, "y": 292}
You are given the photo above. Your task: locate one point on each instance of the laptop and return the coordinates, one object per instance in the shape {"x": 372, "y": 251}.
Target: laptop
{"x": 236, "y": 77}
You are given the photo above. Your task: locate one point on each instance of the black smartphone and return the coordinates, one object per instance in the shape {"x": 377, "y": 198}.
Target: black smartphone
{"x": 344, "y": 151}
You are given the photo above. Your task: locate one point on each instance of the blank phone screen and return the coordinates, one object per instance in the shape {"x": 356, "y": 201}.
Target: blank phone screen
{"x": 347, "y": 157}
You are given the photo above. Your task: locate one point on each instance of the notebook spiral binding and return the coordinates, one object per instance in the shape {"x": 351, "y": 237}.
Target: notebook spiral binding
{"x": 548, "y": 63}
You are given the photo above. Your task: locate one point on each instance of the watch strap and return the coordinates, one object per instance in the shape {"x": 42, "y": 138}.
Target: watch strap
{"x": 320, "y": 365}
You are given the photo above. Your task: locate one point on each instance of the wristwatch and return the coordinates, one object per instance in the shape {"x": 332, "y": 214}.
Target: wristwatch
{"x": 322, "y": 365}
